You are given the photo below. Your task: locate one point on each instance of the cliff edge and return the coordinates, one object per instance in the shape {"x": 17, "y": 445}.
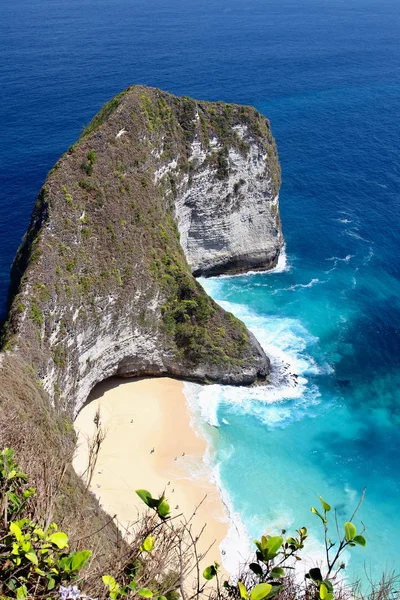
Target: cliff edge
{"x": 157, "y": 188}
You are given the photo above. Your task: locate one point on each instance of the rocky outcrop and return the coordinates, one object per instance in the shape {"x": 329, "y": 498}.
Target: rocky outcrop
{"x": 157, "y": 188}
{"x": 230, "y": 223}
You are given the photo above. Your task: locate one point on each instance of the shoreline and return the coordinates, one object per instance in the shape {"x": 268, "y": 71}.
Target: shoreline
{"x": 150, "y": 444}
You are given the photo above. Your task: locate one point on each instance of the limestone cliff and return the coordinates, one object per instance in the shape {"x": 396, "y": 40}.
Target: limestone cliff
{"x": 157, "y": 188}
{"x": 228, "y": 215}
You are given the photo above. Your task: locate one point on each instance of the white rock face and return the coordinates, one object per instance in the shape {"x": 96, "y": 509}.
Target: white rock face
{"x": 230, "y": 224}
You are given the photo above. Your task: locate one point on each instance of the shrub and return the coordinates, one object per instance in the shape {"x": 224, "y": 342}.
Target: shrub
{"x": 33, "y": 559}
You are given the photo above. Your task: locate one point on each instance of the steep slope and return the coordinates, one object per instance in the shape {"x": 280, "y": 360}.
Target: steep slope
{"x": 101, "y": 285}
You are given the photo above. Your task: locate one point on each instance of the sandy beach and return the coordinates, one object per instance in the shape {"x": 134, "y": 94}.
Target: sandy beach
{"x": 150, "y": 444}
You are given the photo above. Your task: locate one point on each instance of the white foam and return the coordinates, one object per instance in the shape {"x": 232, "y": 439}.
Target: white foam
{"x": 336, "y": 260}
{"x": 297, "y": 286}
{"x": 281, "y": 267}
{"x": 366, "y": 260}
{"x": 235, "y": 548}
{"x": 282, "y": 264}
{"x": 357, "y": 236}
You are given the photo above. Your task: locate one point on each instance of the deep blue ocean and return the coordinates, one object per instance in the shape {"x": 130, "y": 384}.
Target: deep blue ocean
{"x": 327, "y": 75}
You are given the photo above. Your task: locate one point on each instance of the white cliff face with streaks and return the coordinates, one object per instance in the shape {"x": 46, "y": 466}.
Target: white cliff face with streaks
{"x": 230, "y": 224}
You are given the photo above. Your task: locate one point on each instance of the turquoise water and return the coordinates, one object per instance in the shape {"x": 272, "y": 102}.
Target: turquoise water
{"x": 327, "y": 75}
{"x": 331, "y": 431}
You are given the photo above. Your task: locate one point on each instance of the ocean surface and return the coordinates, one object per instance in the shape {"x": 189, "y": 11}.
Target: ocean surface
{"x": 327, "y": 75}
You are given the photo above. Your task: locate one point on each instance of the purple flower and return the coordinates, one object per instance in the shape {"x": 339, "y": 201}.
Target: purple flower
{"x": 69, "y": 593}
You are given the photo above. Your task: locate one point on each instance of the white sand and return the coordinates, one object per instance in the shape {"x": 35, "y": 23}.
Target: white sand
{"x": 139, "y": 415}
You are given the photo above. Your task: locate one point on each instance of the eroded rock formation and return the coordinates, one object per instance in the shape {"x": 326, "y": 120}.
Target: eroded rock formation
{"x": 157, "y": 188}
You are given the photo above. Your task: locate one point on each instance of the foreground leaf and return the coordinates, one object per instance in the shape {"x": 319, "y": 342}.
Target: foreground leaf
{"x": 59, "y": 539}
{"x": 274, "y": 543}
{"x": 80, "y": 559}
{"x": 145, "y": 496}
{"x": 260, "y": 591}
{"x": 148, "y": 543}
{"x": 314, "y": 574}
{"x": 256, "y": 568}
{"x": 277, "y": 572}
{"x": 350, "y": 531}
{"x": 242, "y": 590}
{"x": 32, "y": 557}
{"x": 360, "y": 540}
{"x": 325, "y": 505}
{"x": 315, "y": 512}
{"x": 209, "y": 572}
{"x": 16, "y": 531}
{"x": 323, "y": 592}
{"x": 163, "y": 509}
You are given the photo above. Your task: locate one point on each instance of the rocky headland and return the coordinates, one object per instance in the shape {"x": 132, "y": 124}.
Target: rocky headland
{"x": 157, "y": 190}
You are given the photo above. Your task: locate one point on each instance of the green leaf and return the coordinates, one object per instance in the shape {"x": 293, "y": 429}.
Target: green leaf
{"x": 32, "y": 557}
{"x": 315, "y": 512}
{"x": 113, "y": 586}
{"x": 22, "y": 592}
{"x": 360, "y": 540}
{"x": 39, "y": 532}
{"x": 148, "y": 543}
{"x": 145, "y": 593}
{"x": 29, "y": 492}
{"x": 256, "y": 568}
{"x": 145, "y": 496}
{"x": 163, "y": 509}
{"x": 274, "y": 543}
{"x": 264, "y": 542}
{"x": 209, "y": 572}
{"x": 276, "y": 589}
{"x": 315, "y": 574}
{"x": 323, "y": 592}
{"x": 350, "y": 531}
{"x": 108, "y": 581}
{"x": 65, "y": 563}
{"x": 59, "y": 539}
{"x": 325, "y": 505}
{"x": 14, "y": 499}
{"x": 242, "y": 590}
{"x": 16, "y": 531}
{"x": 260, "y": 591}
{"x": 80, "y": 559}
{"x": 328, "y": 584}
{"x": 161, "y": 598}
{"x": 277, "y": 572}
